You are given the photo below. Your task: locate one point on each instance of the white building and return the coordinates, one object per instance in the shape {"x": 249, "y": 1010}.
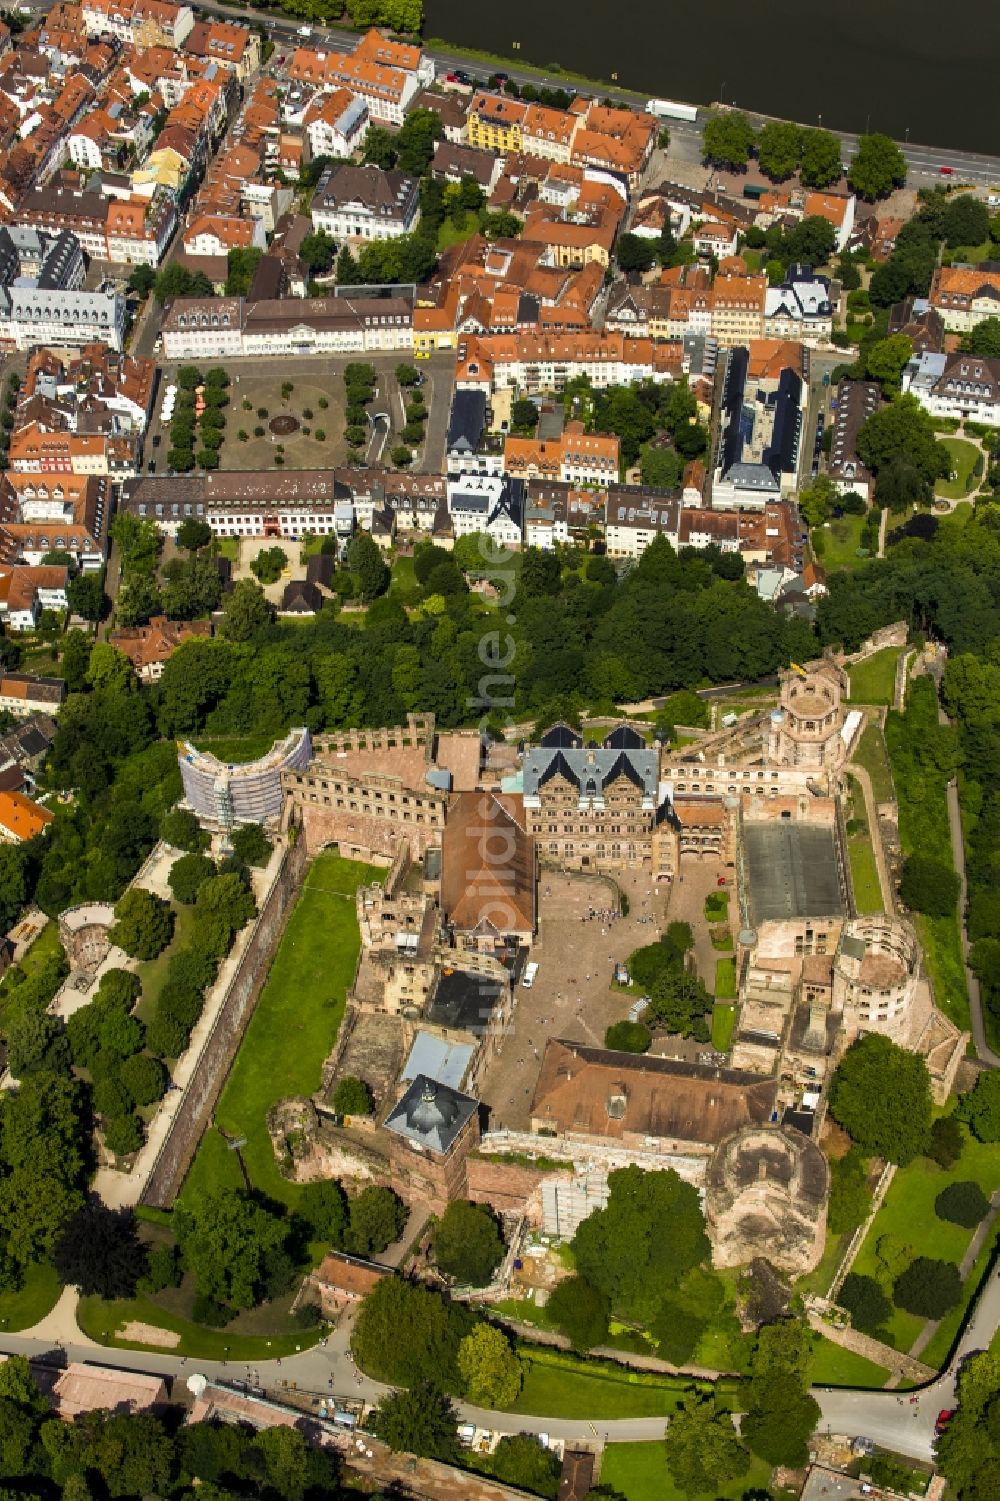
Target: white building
{"x": 337, "y": 124}
{"x": 962, "y": 386}
{"x": 365, "y": 203}
{"x": 492, "y": 504}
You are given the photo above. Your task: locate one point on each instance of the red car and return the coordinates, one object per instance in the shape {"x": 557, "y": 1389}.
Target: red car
{"x": 947, "y": 171}
{"x": 944, "y": 1417}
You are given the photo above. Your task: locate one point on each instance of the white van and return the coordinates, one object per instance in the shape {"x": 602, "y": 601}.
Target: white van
{"x": 528, "y": 978}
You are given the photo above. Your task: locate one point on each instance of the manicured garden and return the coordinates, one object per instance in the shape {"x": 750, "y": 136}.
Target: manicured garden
{"x": 838, "y": 542}
{"x": 873, "y": 681}
{"x": 964, "y": 457}
{"x": 293, "y": 1028}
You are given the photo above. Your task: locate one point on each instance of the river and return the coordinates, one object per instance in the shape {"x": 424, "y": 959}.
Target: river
{"x": 856, "y": 64}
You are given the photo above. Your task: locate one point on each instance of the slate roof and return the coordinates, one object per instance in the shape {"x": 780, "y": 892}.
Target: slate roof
{"x": 431, "y": 1115}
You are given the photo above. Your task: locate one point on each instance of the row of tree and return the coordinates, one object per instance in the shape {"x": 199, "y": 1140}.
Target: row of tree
{"x": 783, "y": 148}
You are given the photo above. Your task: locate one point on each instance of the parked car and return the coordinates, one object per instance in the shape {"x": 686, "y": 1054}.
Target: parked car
{"x": 944, "y": 1417}
{"x": 157, "y": 440}
{"x": 947, "y": 171}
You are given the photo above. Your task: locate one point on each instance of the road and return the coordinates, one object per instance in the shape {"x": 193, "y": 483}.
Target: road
{"x": 891, "y": 1420}
{"x": 894, "y": 1421}
{"x": 922, "y": 161}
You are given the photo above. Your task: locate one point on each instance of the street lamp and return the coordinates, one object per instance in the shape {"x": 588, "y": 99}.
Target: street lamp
{"x": 722, "y": 93}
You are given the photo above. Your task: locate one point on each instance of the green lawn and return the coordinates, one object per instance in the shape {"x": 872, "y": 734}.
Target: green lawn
{"x": 228, "y": 547}
{"x": 874, "y": 680}
{"x": 871, "y": 754}
{"x": 941, "y": 941}
{"x": 100, "y": 1320}
{"x": 725, "y": 979}
{"x": 293, "y": 1028}
{"x": 723, "y": 1023}
{"x": 835, "y": 1366}
{"x": 33, "y": 1300}
{"x": 553, "y": 1389}
{"x": 864, "y": 870}
{"x": 819, "y": 1279}
{"x": 840, "y": 542}
{"x": 403, "y": 576}
{"x": 938, "y": 1347}
{"x": 44, "y": 948}
{"x": 908, "y": 1211}
{"x": 449, "y": 235}
{"x": 963, "y": 460}
{"x": 238, "y": 749}
{"x": 153, "y": 972}
{"x": 640, "y": 1472}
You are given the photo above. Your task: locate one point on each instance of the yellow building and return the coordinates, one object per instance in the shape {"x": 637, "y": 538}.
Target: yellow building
{"x": 496, "y": 123}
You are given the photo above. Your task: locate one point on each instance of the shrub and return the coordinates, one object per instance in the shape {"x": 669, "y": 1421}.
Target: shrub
{"x": 208, "y": 1311}
{"x": 962, "y": 1204}
{"x": 352, "y": 1097}
{"x": 164, "y": 1269}
{"x": 320, "y": 435}
{"x": 323, "y": 403}
{"x": 628, "y": 1037}
{"x": 258, "y": 432}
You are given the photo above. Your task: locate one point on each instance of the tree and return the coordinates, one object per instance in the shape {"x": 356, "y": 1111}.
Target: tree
{"x": 821, "y": 164}
{"x": 962, "y": 1203}
{"x": 661, "y": 467}
{"x": 981, "y": 1108}
{"x": 728, "y": 139}
{"x": 928, "y": 1288}
{"x": 878, "y": 166}
{"x": 122, "y": 1134}
{"x": 984, "y": 339}
{"x": 144, "y": 1077}
{"x": 188, "y": 875}
{"x": 317, "y": 251}
{"x": 352, "y": 1097}
{"x": 100, "y": 1253}
{"x": 635, "y": 252}
{"x": 779, "y": 1425}
{"x": 490, "y": 1367}
{"x": 779, "y": 148}
{"x": 965, "y": 221}
{"x": 651, "y": 1232}
{"x": 144, "y": 924}
{"x": 193, "y": 534}
{"x": 403, "y": 1330}
{"x": 580, "y": 1311}
{"x": 887, "y": 358}
{"x": 865, "y": 1301}
{"x": 377, "y": 1218}
{"x": 881, "y": 1095}
{"x": 247, "y": 612}
{"x": 226, "y": 897}
{"x": 267, "y": 566}
{"x": 85, "y": 595}
{"x": 250, "y": 844}
{"x": 817, "y": 500}
{"x": 704, "y": 1452}
{"x": 365, "y": 559}
{"x": 323, "y": 1207}
{"x": 520, "y": 1460}
{"x": 928, "y": 886}
{"x": 181, "y": 828}
{"x": 946, "y": 1142}
{"x": 628, "y": 1037}
{"x": 226, "y": 1238}
{"x": 420, "y": 1421}
{"x": 17, "y": 1384}
{"x": 36, "y": 1042}
{"x": 850, "y": 1195}
{"x": 679, "y": 1002}
{"x": 415, "y": 141}
{"x": 467, "y": 1243}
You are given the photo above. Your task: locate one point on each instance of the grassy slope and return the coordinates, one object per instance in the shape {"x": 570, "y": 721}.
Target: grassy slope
{"x": 872, "y": 755}
{"x": 293, "y": 1028}
{"x": 874, "y": 680}
{"x": 908, "y": 1212}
